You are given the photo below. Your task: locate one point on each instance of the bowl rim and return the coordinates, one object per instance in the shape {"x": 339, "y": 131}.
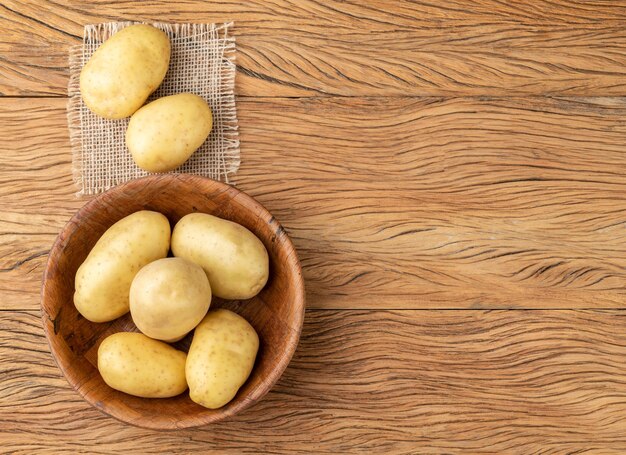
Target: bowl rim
{"x": 164, "y": 424}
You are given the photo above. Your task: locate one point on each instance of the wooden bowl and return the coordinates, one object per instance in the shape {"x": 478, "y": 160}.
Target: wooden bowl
{"x": 276, "y": 313}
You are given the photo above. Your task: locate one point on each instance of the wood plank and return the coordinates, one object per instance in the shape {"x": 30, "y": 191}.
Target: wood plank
{"x": 37, "y": 195}
{"x": 368, "y": 382}
{"x": 446, "y": 203}
{"x": 311, "y": 48}
{"x": 391, "y": 203}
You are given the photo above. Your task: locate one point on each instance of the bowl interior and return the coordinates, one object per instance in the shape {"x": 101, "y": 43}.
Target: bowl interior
{"x": 276, "y": 313}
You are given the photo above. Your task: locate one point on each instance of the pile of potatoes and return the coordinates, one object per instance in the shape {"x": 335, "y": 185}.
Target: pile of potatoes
{"x": 128, "y": 269}
{"x": 116, "y": 82}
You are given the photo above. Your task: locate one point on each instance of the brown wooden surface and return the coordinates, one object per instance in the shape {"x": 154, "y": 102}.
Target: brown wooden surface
{"x": 390, "y": 47}
{"x": 437, "y": 159}
{"x": 370, "y": 381}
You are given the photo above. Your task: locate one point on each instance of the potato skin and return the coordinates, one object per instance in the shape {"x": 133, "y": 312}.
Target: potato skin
{"x": 234, "y": 259}
{"x": 169, "y": 297}
{"x": 125, "y": 70}
{"x": 163, "y": 134}
{"x": 103, "y": 280}
{"x": 141, "y": 366}
{"x": 221, "y": 358}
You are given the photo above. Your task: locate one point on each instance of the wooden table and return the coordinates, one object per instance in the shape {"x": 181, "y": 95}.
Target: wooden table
{"x": 453, "y": 177}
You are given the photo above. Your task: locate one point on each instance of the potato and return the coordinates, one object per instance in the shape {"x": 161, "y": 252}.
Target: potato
{"x": 163, "y": 134}
{"x": 103, "y": 280}
{"x": 141, "y": 366}
{"x": 124, "y": 71}
{"x": 169, "y": 297}
{"x": 220, "y": 358}
{"x": 233, "y": 258}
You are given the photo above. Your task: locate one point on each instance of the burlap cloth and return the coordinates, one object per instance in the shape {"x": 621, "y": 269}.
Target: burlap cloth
{"x": 202, "y": 62}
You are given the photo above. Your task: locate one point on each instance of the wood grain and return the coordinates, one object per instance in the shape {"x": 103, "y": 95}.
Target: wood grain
{"x": 405, "y": 203}
{"x": 398, "y": 382}
{"x": 447, "y": 155}
{"x": 391, "y": 48}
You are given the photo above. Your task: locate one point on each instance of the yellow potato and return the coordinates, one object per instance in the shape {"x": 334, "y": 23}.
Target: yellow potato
{"x": 141, "y": 366}
{"x": 220, "y": 358}
{"x": 163, "y": 134}
{"x": 103, "y": 280}
{"x": 169, "y": 297}
{"x": 125, "y": 70}
{"x": 233, "y": 258}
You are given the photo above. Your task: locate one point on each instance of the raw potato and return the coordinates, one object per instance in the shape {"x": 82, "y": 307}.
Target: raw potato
{"x": 141, "y": 366}
{"x": 220, "y": 358}
{"x": 233, "y": 258}
{"x": 169, "y": 297}
{"x": 103, "y": 280}
{"x": 163, "y": 134}
{"x": 125, "y": 70}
